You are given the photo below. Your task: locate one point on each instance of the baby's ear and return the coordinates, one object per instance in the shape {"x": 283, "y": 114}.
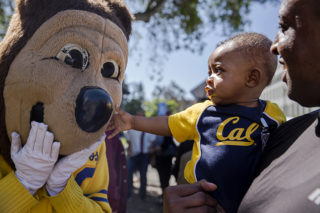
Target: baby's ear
{"x": 253, "y": 78}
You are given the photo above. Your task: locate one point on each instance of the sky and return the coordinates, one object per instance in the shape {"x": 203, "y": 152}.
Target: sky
{"x": 189, "y": 70}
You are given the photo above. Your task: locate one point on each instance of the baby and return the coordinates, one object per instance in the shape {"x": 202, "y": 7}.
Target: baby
{"x": 229, "y": 131}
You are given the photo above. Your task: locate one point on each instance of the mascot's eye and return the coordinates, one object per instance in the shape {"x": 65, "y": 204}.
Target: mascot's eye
{"x": 75, "y": 56}
{"x": 110, "y": 69}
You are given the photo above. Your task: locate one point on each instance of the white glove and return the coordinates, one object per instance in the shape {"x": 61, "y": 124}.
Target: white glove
{"x": 34, "y": 162}
{"x": 66, "y": 166}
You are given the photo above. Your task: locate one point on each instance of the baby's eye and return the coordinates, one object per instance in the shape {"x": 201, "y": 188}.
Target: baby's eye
{"x": 217, "y": 70}
{"x": 110, "y": 69}
{"x": 75, "y": 56}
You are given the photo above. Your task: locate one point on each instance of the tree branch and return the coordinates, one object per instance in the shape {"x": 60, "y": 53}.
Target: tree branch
{"x": 150, "y": 10}
{"x": 11, "y": 5}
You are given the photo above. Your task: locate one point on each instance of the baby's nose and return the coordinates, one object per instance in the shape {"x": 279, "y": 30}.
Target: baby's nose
{"x": 209, "y": 80}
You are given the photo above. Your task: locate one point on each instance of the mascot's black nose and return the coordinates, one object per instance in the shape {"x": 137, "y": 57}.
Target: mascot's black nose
{"x": 93, "y": 108}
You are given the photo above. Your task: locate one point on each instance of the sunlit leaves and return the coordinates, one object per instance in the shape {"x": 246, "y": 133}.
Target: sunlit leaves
{"x": 6, "y": 10}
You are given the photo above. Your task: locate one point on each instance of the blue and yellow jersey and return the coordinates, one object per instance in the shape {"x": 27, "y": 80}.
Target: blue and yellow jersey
{"x": 86, "y": 190}
{"x": 93, "y": 177}
{"x": 227, "y": 145}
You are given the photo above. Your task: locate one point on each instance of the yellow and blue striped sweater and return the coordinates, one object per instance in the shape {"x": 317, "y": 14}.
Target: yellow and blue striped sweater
{"x": 86, "y": 190}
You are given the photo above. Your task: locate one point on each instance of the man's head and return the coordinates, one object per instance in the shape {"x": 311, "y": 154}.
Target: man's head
{"x": 240, "y": 68}
{"x": 298, "y": 44}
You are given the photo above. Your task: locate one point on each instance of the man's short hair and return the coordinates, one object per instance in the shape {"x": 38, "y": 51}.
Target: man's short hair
{"x": 257, "y": 48}
{"x": 316, "y": 7}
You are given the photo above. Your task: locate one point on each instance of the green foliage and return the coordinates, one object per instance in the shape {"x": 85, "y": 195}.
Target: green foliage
{"x": 176, "y": 24}
{"x": 181, "y": 24}
{"x": 6, "y": 10}
{"x": 133, "y": 106}
{"x": 171, "y": 91}
{"x": 171, "y": 94}
{"x": 151, "y": 107}
{"x": 187, "y": 12}
{"x": 133, "y": 97}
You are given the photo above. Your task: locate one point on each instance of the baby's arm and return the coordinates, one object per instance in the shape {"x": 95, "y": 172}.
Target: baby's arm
{"x": 123, "y": 121}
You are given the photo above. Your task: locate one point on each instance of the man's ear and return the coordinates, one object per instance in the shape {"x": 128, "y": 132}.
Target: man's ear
{"x": 254, "y": 78}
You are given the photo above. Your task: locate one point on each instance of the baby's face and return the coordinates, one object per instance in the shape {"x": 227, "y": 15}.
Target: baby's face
{"x": 228, "y": 73}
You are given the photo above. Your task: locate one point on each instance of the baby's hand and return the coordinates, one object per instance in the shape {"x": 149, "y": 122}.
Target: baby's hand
{"x": 120, "y": 121}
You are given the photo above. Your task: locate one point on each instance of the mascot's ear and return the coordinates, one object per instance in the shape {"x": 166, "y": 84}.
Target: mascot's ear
{"x": 29, "y": 7}
{"x": 117, "y": 7}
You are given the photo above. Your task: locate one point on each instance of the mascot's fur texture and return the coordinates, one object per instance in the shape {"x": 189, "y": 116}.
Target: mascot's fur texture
{"x": 35, "y": 68}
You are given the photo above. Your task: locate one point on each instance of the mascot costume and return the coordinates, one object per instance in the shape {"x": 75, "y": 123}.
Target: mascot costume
{"x": 62, "y": 63}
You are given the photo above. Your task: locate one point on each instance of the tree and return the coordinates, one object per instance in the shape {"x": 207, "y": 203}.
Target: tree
{"x": 6, "y": 10}
{"x": 151, "y": 107}
{"x": 172, "y": 25}
{"x": 171, "y": 94}
{"x": 172, "y": 91}
{"x": 133, "y": 97}
{"x": 176, "y": 24}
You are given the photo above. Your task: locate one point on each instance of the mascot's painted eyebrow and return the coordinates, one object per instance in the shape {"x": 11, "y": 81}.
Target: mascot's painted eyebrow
{"x": 73, "y": 55}
{"x": 77, "y": 57}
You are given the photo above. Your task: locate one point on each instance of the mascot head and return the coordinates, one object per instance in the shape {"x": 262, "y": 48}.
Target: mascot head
{"x": 62, "y": 63}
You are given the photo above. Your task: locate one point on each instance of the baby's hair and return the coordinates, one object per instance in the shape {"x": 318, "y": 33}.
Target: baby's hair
{"x": 257, "y": 47}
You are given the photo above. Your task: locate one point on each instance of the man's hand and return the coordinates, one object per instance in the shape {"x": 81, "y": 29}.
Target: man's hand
{"x": 120, "y": 121}
{"x": 190, "y": 198}
{"x": 34, "y": 162}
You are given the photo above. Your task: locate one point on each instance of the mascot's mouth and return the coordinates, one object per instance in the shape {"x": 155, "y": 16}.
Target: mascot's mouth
{"x": 36, "y": 113}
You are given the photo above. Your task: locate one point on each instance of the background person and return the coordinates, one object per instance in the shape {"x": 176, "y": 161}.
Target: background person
{"x": 164, "y": 153}
{"x": 164, "y": 160}
{"x": 183, "y": 155}
{"x": 118, "y": 174}
{"x": 139, "y": 158}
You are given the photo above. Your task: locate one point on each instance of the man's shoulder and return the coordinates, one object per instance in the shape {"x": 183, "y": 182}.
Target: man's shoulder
{"x": 287, "y": 171}
{"x": 296, "y": 125}
{"x": 284, "y": 136}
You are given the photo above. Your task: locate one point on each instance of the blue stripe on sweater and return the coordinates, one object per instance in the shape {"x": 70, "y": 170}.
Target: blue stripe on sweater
{"x": 85, "y": 173}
